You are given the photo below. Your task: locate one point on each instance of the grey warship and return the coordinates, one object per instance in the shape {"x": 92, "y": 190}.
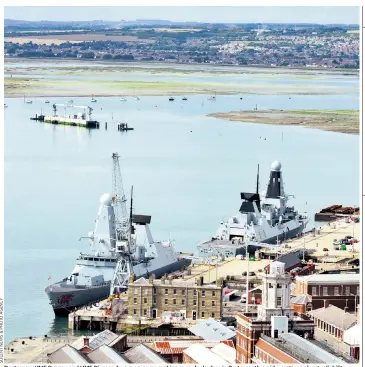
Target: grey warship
{"x": 263, "y": 218}
{"x": 115, "y": 235}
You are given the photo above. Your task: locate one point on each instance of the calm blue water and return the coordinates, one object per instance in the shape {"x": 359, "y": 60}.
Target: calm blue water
{"x": 187, "y": 171}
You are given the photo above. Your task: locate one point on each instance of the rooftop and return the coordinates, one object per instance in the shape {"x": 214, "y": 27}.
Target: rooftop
{"x": 67, "y": 355}
{"x": 105, "y": 337}
{"x": 302, "y": 349}
{"x": 226, "y": 352}
{"x": 335, "y": 316}
{"x": 202, "y": 355}
{"x": 178, "y": 346}
{"x": 171, "y": 283}
{"x": 141, "y": 354}
{"x": 330, "y": 278}
{"x": 211, "y": 329}
{"x": 106, "y": 355}
{"x": 300, "y": 300}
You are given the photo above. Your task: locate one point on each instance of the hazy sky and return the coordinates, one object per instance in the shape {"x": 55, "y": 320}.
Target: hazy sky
{"x": 264, "y": 14}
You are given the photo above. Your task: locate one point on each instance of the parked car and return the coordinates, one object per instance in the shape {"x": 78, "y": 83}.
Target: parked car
{"x": 348, "y": 237}
{"x": 353, "y": 240}
{"x": 336, "y": 242}
{"x": 251, "y": 273}
{"x": 325, "y": 249}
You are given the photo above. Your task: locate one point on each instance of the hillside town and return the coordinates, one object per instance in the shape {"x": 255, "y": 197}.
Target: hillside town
{"x": 311, "y": 46}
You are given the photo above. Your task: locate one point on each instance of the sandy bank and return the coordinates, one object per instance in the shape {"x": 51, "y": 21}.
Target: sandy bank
{"x": 344, "y": 121}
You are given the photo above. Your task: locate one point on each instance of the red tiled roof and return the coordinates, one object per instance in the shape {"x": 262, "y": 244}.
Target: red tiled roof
{"x": 164, "y": 347}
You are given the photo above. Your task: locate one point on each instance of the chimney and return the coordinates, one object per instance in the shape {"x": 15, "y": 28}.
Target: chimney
{"x": 132, "y": 278}
{"x": 201, "y": 281}
{"x": 325, "y": 303}
{"x": 150, "y": 279}
{"x": 86, "y": 342}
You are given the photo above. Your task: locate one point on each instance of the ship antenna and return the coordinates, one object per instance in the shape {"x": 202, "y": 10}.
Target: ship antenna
{"x": 258, "y": 179}
{"x": 131, "y": 212}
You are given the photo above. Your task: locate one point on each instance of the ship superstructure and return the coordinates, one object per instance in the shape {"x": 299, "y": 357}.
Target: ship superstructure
{"x": 263, "y": 218}
{"x": 120, "y": 244}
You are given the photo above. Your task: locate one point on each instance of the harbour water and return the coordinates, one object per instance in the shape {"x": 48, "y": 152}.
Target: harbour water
{"x": 187, "y": 171}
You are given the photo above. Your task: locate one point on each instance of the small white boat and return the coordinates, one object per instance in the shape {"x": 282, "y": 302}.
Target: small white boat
{"x": 212, "y": 98}
{"x": 27, "y": 101}
{"x": 123, "y": 99}
{"x": 5, "y": 105}
{"x": 47, "y": 101}
{"x": 93, "y": 99}
{"x": 136, "y": 98}
{"x": 70, "y": 101}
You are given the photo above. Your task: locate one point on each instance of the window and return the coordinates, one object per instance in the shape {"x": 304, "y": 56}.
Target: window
{"x": 174, "y": 301}
{"x": 166, "y": 301}
{"x": 213, "y": 315}
{"x": 325, "y": 291}
{"x": 166, "y": 291}
{"x": 358, "y": 291}
{"x": 278, "y": 302}
{"x": 279, "y": 286}
{"x": 347, "y": 291}
{"x": 213, "y": 303}
{"x": 202, "y": 315}
{"x": 203, "y": 293}
{"x": 154, "y": 300}
{"x": 183, "y": 292}
{"x": 175, "y": 291}
{"x": 183, "y": 302}
{"x": 144, "y": 300}
{"x": 134, "y": 312}
{"x": 337, "y": 291}
{"x": 145, "y": 312}
{"x": 194, "y": 302}
{"x": 135, "y": 300}
{"x": 135, "y": 290}
{"x": 213, "y": 293}
{"x": 154, "y": 290}
{"x": 145, "y": 292}
{"x": 314, "y": 291}
{"x": 203, "y": 303}
{"x": 271, "y": 285}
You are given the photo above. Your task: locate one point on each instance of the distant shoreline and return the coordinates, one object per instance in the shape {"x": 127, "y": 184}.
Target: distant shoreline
{"x": 342, "y": 71}
{"x": 341, "y": 121}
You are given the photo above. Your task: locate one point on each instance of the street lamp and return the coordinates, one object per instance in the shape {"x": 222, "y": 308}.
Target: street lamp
{"x": 247, "y": 274}
{"x": 304, "y": 238}
{"x": 212, "y": 249}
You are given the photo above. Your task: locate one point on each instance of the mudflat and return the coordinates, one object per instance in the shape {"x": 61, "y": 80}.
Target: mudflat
{"x": 343, "y": 121}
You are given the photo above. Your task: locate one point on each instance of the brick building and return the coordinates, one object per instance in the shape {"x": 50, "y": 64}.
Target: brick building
{"x": 174, "y": 299}
{"x": 340, "y": 290}
{"x": 275, "y": 303}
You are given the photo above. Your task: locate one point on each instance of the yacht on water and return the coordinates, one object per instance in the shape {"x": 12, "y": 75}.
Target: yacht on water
{"x": 117, "y": 241}
{"x": 262, "y": 219}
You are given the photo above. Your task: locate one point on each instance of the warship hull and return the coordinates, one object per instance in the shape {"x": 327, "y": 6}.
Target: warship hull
{"x": 64, "y": 298}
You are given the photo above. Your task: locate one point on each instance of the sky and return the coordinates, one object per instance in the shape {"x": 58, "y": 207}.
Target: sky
{"x": 234, "y": 14}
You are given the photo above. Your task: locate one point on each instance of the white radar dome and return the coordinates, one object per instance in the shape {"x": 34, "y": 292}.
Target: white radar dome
{"x": 106, "y": 199}
{"x": 275, "y": 166}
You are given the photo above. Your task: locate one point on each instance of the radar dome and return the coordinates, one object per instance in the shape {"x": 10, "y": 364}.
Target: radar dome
{"x": 106, "y": 199}
{"x": 276, "y": 166}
